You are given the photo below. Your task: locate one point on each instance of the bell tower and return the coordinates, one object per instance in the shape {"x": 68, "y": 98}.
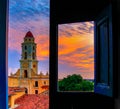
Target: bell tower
{"x": 28, "y": 62}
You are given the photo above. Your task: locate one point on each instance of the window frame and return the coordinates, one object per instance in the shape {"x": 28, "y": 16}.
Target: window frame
{"x": 4, "y": 50}
{"x": 54, "y": 57}
{"x": 109, "y": 88}
{"x": 105, "y": 89}
{"x": 3, "y": 54}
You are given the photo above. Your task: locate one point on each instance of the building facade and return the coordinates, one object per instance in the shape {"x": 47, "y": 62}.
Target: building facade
{"x": 27, "y": 76}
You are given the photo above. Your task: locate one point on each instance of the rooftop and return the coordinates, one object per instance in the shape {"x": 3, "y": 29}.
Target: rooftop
{"x": 29, "y": 34}
{"x": 33, "y": 101}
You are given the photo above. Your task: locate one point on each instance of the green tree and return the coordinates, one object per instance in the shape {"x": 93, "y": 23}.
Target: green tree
{"x": 85, "y": 85}
{"x": 75, "y": 83}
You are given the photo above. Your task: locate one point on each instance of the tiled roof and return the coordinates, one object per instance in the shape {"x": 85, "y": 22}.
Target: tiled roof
{"x": 12, "y": 90}
{"x": 33, "y": 101}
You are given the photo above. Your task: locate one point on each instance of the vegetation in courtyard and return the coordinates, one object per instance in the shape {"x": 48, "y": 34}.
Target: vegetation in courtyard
{"x": 75, "y": 83}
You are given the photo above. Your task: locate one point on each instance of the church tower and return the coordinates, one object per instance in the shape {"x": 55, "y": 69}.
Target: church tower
{"x": 28, "y": 62}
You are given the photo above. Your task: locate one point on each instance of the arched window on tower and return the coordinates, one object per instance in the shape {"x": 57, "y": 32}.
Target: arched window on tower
{"x": 33, "y": 47}
{"x": 25, "y": 47}
{"x": 25, "y": 74}
{"x": 25, "y": 55}
{"x": 33, "y": 55}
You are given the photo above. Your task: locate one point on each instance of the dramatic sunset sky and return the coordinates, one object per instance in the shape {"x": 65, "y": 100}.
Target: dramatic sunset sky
{"x": 75, "y": 40}
{"x": 76, "y": 49}
{"x": 25, "y": 15}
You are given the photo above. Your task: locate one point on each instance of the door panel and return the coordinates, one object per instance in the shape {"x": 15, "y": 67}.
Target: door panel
{"x": 104, "y": 53}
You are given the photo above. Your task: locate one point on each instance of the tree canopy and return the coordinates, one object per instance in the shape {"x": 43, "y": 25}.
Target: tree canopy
{"x": 75, "y": 83}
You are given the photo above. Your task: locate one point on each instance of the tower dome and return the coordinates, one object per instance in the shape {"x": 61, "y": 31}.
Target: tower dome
{"x": 29, "y": 34}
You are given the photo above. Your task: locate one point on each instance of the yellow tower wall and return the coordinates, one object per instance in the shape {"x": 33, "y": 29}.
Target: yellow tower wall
{"x": 13, "y": 82}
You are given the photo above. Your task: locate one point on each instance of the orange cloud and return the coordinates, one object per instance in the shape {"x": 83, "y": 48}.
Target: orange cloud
{"x": 42, "y": 47}
{"x": 76, "y": 49}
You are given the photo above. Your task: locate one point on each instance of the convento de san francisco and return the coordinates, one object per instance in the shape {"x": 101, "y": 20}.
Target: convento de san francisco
{"x": 27, "y": 80}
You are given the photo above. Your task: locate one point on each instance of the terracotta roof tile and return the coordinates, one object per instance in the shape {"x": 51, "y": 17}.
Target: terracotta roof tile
{"x": 32, "y": 101}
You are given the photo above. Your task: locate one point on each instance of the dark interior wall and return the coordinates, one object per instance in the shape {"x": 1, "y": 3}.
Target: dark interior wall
{"x": 83, "y": 101}
{"x": 3, "y": 55}
{"x": 73, "y": 11}
{"x": 117, "y": 100}
{"x": 67, "y": 11}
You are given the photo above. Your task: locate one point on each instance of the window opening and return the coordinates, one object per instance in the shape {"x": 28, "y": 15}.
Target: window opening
{"x": 36, "y": 91}
{"x": 33, "y": 47}
{"x": 25, "y": 74}
{"x": 76, "y": 57}
{"x": 45, "y": 82}
{"x": 25, "y": 47}
{"x": 25, "y": 55}
{"x": 28, "y": 52}
{"x": 26, "y": 90}
{"x": 33, "y": 55}
{"x": 36, "y": 83}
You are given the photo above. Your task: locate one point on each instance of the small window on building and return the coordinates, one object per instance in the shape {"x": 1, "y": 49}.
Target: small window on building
{"x": 29, "y": 39}
{"x": 33, "y": 47}
{"x": 33, "y": 55}
{"x": 26, "y": 90}
{"x": 34, "y": 66}
{"x": 25, "y": 55}
{"x": 25, "y": 74}
{"x": 45, "y": 82}
{"x": 25, "y": 47}
{"x": 36, "y": 91}
{"x": 36, "y": 83}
